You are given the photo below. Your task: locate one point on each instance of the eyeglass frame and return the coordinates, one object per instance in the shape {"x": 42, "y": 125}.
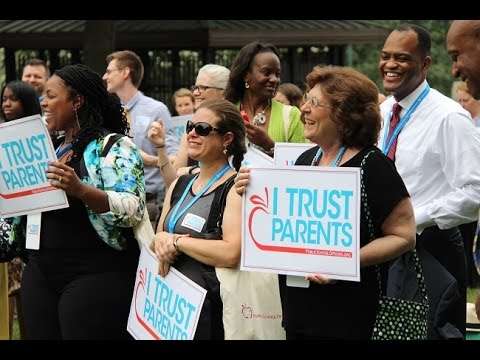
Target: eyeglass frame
{"x": 194, "y": 88}
{"x": 109, "y": 71}
{"x": 314, "y": 101}
{"x": 190, "y": 125}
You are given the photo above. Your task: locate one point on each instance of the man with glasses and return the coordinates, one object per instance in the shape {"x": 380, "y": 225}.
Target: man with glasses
{"x": 123, "y": 76}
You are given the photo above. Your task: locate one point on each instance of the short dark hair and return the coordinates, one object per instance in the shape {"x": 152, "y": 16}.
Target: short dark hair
{"x": 424, "y": 41}
{"x": 241, "y": 65}
{"x": 354, "y": 100}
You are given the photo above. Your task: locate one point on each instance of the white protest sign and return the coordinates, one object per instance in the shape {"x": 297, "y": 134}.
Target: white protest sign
{"x": 25, "y": 149}
{"x": 288, "y": 153}
{"x": 306, "y": 221}
{"x": 179, "y": 123}
{"x": 255, "y": 157}
{"x": 163, "y": 308}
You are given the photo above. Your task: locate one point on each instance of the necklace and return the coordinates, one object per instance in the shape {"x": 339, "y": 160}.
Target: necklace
{"x": 335, "y": 162}
{"x": 260, "y": 118}
{"x": 198, "y": 187}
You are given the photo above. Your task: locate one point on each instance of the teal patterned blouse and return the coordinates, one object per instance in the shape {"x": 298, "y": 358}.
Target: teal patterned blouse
{"x": 120, "y": 175}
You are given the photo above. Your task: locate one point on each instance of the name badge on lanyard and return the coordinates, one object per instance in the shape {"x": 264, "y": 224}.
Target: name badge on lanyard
{"x": 33, "y": 231}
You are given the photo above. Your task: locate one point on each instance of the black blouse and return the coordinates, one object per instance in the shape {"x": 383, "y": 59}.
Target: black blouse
{"x": 346, "y": 309}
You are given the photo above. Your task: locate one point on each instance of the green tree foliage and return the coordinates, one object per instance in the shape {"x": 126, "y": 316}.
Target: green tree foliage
{"x": 365, "y": 57}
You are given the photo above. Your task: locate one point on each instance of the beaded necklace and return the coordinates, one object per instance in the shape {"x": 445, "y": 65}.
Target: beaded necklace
{"x": 335, "y": 162}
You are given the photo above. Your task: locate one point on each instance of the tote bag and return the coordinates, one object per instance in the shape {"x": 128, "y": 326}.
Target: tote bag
{"x": 251, "y": 305}
{"x": 251, "y": 300}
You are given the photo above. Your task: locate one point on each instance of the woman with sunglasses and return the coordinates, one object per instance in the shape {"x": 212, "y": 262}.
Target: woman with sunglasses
{"x": 253, "y": 82}
{"x": 342, "y": 117}
{"x": 188, "y": 237}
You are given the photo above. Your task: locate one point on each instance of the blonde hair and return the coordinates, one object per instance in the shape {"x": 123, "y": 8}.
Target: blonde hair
{"x": 183, "y": 92}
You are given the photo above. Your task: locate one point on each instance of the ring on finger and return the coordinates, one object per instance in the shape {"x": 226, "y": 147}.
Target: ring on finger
{"x": 59, "y": 179}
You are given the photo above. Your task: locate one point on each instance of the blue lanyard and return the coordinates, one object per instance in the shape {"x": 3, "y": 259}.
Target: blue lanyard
{"x": 174, "y": 217}
{"x": 402, "y": 122}
{"x": 334, "y": 162}
{"x": 61, "y": 152}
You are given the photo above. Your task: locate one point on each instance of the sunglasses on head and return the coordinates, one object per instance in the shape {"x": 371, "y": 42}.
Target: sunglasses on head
{"x": 201, "y": 128}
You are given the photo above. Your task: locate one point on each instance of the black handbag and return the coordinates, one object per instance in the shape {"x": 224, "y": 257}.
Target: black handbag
{"x": 397, "y": 319}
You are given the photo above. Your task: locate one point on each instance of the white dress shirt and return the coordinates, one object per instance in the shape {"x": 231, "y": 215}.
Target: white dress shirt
{"x": 438, "y": 157}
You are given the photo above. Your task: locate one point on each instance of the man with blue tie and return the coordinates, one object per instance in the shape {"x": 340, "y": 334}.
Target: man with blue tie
{"x": 435, "y": 149}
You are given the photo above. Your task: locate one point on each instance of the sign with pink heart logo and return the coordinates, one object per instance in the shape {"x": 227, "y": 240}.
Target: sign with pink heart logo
{"x": 302, "y": 220}
{"x": 163, "y": 308}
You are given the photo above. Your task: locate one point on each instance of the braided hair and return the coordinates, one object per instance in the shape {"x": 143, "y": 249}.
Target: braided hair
{"x": 101, "y": 112}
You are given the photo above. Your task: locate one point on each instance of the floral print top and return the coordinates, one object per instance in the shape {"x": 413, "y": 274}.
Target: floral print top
{"x": 120, "y": 175}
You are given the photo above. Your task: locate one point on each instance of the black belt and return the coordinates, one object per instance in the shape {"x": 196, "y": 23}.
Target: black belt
{"x": 150, "y": 196}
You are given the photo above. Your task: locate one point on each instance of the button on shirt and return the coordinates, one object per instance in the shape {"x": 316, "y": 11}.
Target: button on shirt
{"x": 143, "y": 111}
{"x": 437, "y": 157}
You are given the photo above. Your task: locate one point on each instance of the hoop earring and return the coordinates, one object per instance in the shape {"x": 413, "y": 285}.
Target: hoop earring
{"x": 225, "y": 151}
{"x": 246, "y": 85}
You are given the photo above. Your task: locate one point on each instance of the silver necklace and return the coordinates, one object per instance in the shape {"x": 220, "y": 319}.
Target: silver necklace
{"x": 260, "y": 118}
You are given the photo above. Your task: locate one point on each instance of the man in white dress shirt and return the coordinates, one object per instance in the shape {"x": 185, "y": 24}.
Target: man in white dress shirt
{"x": 437, "y": 156}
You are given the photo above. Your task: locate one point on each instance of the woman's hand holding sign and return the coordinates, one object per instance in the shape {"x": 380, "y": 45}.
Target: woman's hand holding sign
{"x": 63, "y": 177}
{"x": 241, "y": 180}
{"x": 166, "y": 249}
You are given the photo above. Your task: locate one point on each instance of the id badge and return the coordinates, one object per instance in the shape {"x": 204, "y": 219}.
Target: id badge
{"x": 297, "y": 281}
{"x": 33, "y": 231}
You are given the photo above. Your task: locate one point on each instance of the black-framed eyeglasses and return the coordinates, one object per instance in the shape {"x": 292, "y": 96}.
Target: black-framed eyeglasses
{"x": 201, "y": 128}
{"x": 202, "y": 88}
{"x": 314, "y": 101}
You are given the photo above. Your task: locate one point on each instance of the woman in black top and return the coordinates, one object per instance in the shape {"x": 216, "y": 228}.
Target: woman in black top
{"x": 341, "y": 115}
{"x": 187, "y": 235}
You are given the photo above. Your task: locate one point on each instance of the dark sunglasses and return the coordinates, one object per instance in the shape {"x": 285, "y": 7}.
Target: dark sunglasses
{"x": 201, "y": 128}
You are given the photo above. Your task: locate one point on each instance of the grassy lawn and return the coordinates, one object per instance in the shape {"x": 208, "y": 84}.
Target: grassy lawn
{"x": 16, "y": 331}
{"x": 471, "y": 296}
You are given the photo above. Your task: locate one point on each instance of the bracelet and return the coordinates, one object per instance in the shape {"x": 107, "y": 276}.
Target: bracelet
{"x": 160, "y": 146}
{"x": 175, "y": 245}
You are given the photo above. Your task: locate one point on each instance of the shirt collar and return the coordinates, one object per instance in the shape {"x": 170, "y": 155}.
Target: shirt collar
{"x": 408, "y": 101}
{"x": 131, "y": 103}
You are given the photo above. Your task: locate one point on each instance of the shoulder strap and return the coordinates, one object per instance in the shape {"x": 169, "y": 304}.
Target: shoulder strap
{"x": 286, "y": 119}
{"x": 180, "y": 185}
{"x": 108, "y": 142}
